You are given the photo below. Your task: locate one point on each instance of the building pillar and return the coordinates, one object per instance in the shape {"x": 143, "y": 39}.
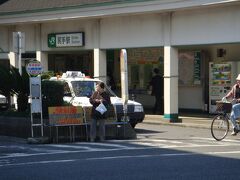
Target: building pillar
{"x": 13, "y": 62}
{"x": 100, "y": 65}
{"x": 171, "y": 84}
{"x": 43, "y": 58}
{"x": 13, "y": 59}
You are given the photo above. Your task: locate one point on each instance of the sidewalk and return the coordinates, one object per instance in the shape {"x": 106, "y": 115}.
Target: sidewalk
{"x": 188, "y": 120}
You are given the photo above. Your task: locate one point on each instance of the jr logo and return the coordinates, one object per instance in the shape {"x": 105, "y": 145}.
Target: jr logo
{"x": 51, "y": 40}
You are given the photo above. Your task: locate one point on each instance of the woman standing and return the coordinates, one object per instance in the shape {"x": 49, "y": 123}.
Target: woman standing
{"x": 98, "y": 97}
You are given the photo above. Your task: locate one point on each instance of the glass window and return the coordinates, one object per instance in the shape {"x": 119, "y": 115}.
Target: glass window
{"x": 83, "y": 88}
{"x": 86, "y": 88}
{"x": 67, "y": 91}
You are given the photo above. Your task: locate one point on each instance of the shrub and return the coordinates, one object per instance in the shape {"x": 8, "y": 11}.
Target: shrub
{"x": 52, "y": 95}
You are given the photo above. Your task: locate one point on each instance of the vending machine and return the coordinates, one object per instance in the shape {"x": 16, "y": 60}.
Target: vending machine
{"x": 221, "y": 78}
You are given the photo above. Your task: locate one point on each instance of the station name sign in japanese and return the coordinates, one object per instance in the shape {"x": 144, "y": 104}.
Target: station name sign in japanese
{"x": 66, "y": 40}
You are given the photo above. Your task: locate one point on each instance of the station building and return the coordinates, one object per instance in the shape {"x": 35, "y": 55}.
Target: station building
{"x": 180, "y": 37}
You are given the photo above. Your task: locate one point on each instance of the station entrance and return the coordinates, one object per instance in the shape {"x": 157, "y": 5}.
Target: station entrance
{"x": 71, "y": 61}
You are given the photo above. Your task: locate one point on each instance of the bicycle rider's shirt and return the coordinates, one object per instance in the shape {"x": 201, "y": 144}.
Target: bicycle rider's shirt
{"x": 237, "y": 92}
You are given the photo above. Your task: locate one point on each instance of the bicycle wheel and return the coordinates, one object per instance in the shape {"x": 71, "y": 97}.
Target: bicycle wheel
{"x": 219, "y": 127}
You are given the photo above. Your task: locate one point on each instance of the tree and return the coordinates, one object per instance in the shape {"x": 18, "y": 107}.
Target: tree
{"x": 15, "y": 84}
{"x": 5, "y": 82}
{"x": 20, "y": 87}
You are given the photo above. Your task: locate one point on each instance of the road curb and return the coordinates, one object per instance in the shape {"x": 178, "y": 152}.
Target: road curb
{"x": 180, "y": 125}
{"x": 9, "y": 139}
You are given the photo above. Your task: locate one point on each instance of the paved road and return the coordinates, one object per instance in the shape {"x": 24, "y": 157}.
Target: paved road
{"x": 160, "y": 152}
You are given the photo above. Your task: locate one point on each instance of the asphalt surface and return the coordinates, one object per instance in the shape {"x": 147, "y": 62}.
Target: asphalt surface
{"x": 159, "y": 152}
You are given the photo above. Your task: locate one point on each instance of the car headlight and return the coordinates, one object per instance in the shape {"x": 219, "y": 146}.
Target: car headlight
{"x": 138, "y": 108}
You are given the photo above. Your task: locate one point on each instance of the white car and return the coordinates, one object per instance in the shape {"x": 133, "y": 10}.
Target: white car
{"x": 3, "y": 102}
{"x": 78, "y": 89}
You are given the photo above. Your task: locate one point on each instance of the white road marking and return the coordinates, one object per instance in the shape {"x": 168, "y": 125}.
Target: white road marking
{"x": 211, "y": 139}
{"x": 100, "y": 158}
{"x": 37, "y": 162}
{"x": 104, "y": 144}
{"x": 225, "y": 152}
{"x": 83, "y": 147}
{"x": 163, "y": 155}
{"x": 70, "y": 146}
{"x": 14, "y": 155}
{"x": 120, "y": 157}
{"x": 141, "y": 156}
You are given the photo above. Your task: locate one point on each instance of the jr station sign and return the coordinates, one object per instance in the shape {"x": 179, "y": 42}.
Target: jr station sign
{"x": 66, "y": 40}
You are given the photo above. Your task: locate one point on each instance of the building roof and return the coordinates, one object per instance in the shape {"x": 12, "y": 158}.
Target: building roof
{"x": 30, "y": 5}
{"x": 26, "y": 11}
{"x": 2, "y": 1}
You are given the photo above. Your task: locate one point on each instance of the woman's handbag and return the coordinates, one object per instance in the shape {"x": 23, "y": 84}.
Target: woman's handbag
{"x": 101, "y": 108}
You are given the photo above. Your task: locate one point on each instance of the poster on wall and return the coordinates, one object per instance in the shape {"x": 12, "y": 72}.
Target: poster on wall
{"x": 197, "y": 68}
{"x": 220, "y": 74}
{"x": 190, "y": 68}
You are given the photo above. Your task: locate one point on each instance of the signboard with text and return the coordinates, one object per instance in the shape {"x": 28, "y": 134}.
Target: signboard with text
{"x": 34, "y": 68}
{"x": 66, "y": 40}
{"x": 197, "y": 68}
{"x": 65, "y": 115}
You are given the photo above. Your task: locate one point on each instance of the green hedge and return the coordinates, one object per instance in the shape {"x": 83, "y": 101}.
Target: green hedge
{"x": 52, "y": 95}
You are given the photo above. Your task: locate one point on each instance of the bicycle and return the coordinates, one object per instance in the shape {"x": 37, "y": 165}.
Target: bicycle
{"x": 220, "y": 123}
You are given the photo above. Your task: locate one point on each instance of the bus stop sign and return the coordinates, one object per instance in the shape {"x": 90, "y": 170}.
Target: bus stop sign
{"x": 34, "y": 68}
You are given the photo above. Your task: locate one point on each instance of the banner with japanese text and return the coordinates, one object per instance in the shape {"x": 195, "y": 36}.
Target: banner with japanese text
{"x": 65, "y": 115}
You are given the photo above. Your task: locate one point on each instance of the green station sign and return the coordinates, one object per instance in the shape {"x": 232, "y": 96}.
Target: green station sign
{"x": 66, "y": 40}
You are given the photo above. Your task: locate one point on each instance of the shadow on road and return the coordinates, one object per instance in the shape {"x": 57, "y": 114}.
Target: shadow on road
{"x": 144, "y": 131}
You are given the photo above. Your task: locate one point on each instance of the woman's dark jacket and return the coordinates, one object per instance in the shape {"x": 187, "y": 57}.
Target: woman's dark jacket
{"x": 105, "y": 100}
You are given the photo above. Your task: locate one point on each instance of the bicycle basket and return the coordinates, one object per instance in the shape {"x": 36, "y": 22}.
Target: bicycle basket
{"x": 223, "y": 107}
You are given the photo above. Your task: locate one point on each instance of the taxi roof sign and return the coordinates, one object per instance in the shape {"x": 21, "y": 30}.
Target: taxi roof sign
{"x": 73, "y": 74}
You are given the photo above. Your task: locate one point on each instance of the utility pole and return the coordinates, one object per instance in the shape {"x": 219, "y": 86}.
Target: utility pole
{"x": 124, "y": 81}
{"x": 19, "y": 47}
{"x": 19, "y": 34}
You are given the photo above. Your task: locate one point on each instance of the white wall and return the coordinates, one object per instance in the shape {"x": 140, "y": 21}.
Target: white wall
{"x": 6, "y": 37}
{"x": 190, "y": 97}
{"x": 132, "y": 31}
{"x": 30, "y": 36}
{"x": 206, "y": 26}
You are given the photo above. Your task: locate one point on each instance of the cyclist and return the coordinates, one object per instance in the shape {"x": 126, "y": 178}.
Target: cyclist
{"x": 235, "y": 95}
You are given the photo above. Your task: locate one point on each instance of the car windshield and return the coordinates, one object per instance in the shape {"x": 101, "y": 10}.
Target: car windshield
{"x": 86, "y": 88}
